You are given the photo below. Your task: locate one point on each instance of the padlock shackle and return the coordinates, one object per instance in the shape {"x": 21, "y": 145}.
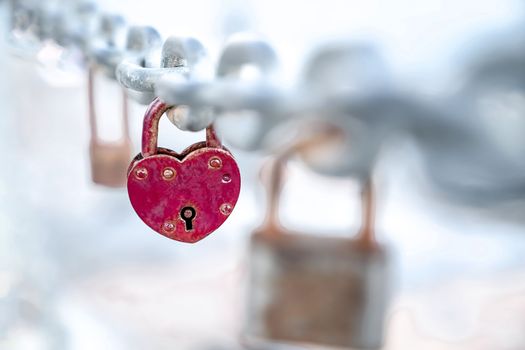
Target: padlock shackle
{"x": 275, "y": 181}
{"x": 275, "y": 167}
{"x": 276, "y": 175}
{"x": 366, "y": 234}
{"x": 150, "y": 128}
{"x": 93, "y": 125}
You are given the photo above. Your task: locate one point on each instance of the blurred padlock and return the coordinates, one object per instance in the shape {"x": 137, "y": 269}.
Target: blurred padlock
{"x": 109, "y": 160}
{"x": 309, "y": 289}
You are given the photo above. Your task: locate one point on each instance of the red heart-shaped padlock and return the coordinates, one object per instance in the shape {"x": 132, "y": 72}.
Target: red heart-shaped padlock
{"x": 182, "y": 196}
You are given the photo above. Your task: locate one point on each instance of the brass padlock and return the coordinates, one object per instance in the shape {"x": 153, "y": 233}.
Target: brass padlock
{"x": 309, "y": 289}
{"x": 109, "y": 160}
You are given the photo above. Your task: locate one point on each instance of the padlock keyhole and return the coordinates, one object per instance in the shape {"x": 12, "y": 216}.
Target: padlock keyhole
{"x": 187, "y": 214}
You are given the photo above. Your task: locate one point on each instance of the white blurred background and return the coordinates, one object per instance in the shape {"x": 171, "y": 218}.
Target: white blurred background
{"x": 79, "y": 270}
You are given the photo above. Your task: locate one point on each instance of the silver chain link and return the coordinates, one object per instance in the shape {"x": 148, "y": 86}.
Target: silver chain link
{"x": 345, "y": 85}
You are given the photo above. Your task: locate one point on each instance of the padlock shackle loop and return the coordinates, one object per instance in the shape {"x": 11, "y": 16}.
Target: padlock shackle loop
{"x": 271, "y": 223}
{"x": 366, "y": 234}
{"x": 93, "y": 125}
{"x": 275, "y": 181}
{"x": 150, "y": 129}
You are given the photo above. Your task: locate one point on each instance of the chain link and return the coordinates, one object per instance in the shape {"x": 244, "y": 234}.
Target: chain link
{"x": 345, "y": 85}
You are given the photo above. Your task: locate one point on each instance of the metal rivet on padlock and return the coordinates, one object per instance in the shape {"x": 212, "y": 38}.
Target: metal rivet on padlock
{"x": 109, "y": 160}
{"x": 183, "y": 196}
{"x": 319, "y": 290}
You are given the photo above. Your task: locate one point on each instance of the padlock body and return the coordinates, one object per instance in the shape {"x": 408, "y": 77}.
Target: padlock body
{"x": 204, "y": 180}
{"x": 307, "y": 289}
{"x": 110, "y": 162}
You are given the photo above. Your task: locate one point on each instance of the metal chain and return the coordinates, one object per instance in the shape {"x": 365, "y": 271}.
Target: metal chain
{"x": 345, "y": 85}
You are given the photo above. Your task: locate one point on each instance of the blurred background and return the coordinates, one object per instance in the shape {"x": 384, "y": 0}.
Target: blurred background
{"x": 432, "y": 92}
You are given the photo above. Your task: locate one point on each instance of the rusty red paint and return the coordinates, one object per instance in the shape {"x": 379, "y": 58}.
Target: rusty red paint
{"x": 159, "y": 201}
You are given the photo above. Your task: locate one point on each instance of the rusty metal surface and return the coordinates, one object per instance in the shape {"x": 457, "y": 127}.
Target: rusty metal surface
{"x": 109, "y": 160}
{"x": 309, "y": 289}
